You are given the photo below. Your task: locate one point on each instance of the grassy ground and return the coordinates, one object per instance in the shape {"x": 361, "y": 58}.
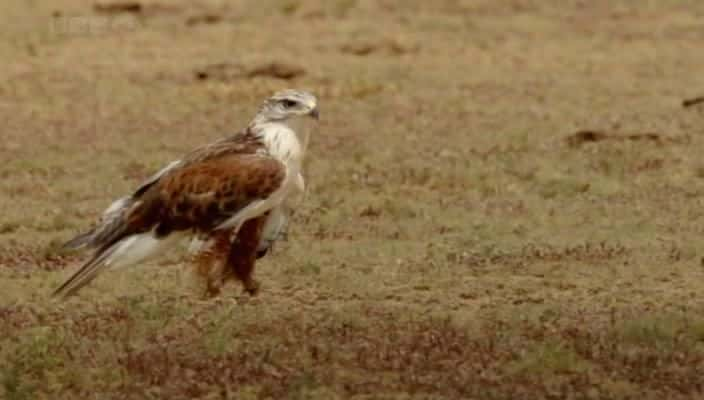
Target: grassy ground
{"x": 458, "y": 240}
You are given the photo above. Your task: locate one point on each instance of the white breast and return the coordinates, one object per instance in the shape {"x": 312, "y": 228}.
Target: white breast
{"x": 284, "y": 145}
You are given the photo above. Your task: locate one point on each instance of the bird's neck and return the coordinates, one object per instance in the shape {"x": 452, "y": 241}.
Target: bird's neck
{"x": 281, "y": 142}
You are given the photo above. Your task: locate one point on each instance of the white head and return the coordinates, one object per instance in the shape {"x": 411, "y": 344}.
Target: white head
{"x": 285, "y": 122}
{"x": 286, "y": 105}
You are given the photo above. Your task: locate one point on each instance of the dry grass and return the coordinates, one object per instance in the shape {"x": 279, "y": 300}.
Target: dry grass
{"x": 505, "y": 199}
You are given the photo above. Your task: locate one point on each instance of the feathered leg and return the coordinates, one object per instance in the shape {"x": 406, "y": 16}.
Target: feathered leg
{"x": 86, "y": 273}
{"x": 243, "y": 253}
{"x": 210, "y": 263}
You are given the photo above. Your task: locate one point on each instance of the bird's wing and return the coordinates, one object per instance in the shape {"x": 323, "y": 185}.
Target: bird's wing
{"x": 147, "y": 183}
{"x": 113, "y": 214}
{"x": 195, "y": 198}
{"x": 275, "y": 227}
{"x": 203, "y": 194}
{"x": 240, "y": 143}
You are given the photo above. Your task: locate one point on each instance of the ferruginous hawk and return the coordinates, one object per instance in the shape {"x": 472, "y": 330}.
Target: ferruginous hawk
{"x": 229, "y": 194}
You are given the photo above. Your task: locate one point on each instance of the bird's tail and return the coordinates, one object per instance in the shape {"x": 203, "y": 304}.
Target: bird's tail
{"x": 128, "y": 251}
{"x": 79, "y": 241}
{"x": 88, "y": 271}
{"x": 108, "y": 229}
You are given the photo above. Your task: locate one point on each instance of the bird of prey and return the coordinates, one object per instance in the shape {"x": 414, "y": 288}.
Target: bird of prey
{"x": 229, "y": 194}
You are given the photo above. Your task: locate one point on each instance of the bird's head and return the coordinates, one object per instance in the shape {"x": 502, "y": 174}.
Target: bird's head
{"x": 286, "y": 105}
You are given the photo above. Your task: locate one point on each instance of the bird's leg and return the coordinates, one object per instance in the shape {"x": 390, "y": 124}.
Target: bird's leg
{"x": 243, "y": 253}
{"x": 211, "y": 263}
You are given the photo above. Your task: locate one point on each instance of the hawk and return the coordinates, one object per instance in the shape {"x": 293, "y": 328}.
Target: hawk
{"x": 228, "y": 194}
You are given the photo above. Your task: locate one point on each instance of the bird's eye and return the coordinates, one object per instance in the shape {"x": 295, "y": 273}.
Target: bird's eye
{"x": 288, "y": 103}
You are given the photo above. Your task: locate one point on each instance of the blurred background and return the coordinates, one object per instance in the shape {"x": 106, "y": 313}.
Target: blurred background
{"x": 504, "y": 197}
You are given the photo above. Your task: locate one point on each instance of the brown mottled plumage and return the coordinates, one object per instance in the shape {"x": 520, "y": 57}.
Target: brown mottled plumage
{"x": 244, "y": 143}
{"x": 201, "y": 196}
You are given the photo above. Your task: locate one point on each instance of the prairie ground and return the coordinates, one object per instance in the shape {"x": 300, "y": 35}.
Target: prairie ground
{"x": 504, "y": 199}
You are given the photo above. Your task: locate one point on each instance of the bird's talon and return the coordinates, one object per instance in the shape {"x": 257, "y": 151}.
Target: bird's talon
{"x": 252, "y": 287}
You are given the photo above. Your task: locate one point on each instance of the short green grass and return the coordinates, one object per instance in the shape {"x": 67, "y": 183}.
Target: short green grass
{"x": 457, "y": 239}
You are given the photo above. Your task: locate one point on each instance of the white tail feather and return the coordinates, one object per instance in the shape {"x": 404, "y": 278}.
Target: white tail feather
{"x": 127, "y": 252}
{"x": 139, "y": 248}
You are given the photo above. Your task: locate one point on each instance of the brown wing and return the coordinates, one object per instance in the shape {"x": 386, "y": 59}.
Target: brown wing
{"x": 112, "y": 223}
{"x": 204, "y": 194}
{"x": 241, "y": 143}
